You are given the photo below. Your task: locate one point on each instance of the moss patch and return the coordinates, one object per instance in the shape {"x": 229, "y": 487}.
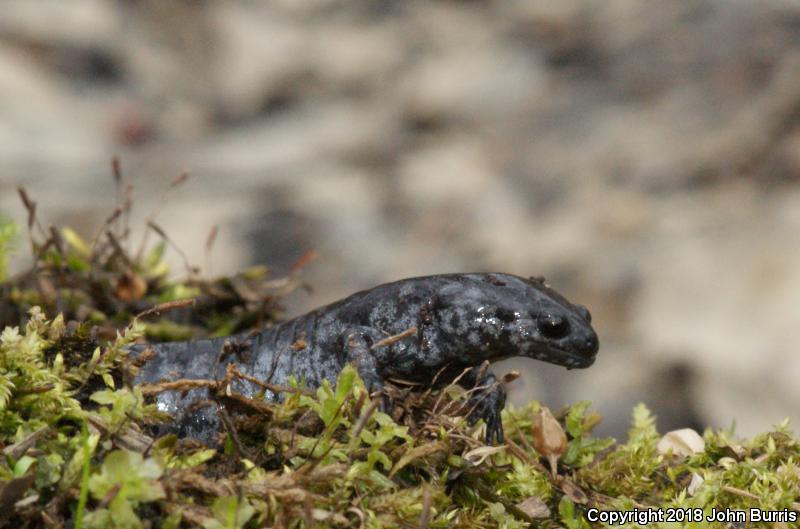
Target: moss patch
{"x": 78, "y": 449}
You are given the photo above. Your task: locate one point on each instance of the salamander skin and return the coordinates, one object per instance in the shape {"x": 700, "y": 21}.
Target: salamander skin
{"x": 460, "y": 321}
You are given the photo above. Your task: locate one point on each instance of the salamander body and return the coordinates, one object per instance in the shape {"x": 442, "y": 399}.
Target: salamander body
{"x": 448, "y": 323}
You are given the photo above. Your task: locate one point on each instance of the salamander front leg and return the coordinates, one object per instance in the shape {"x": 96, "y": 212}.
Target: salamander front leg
{"x": 487, "y": 401}
{"x": 357, "y": 346}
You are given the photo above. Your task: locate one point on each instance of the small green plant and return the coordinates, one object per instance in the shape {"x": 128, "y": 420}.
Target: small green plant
{"x": 229, "y": 512}
{"x": 124, "y": 481}
{"x": 8, "y": 232}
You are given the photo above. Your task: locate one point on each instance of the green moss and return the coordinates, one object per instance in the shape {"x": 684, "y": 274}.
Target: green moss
{"x": 78, "y": 444}
{"x": 330, "y": 459}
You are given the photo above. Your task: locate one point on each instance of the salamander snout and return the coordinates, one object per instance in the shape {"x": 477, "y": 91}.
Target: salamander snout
{"x": 592, "y": 345}
{"x": 581, "y": 344}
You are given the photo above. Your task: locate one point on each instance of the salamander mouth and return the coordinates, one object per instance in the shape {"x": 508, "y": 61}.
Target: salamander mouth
{"x": 567, "y": 358}
{"x": 572, "y": 361}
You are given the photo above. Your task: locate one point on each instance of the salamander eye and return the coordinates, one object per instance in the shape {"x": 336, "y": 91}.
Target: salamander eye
{"x": 584, "y": 312}
{"x": 552, "y": 326}
{"x": 505, "y": 315}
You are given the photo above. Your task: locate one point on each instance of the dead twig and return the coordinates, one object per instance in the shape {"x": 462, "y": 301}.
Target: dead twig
{"x": 425, "y": 516}
{"x": 190, "y": 270}
{"x": 164, "y": 307}
{"x": 234, "y": 434}
{"x": 175, "y": 182}
{"x": 275, "y": 388}
{"x": 389, "y": 340}
{"x": 210, "y": 240}
{"x": 183, "y": 384}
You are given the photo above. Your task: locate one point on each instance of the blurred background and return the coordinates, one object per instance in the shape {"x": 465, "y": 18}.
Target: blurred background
{"x": 643, "y": 156}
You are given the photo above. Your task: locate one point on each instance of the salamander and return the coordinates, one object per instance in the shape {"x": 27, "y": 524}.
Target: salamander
{"x": 412, "y": 329}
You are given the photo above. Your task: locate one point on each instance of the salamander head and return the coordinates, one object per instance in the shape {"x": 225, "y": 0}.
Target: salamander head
{"x": 495, "y": 316}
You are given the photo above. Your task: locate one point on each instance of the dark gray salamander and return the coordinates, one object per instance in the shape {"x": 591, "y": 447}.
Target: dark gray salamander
{"x": 461, "y": 321}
